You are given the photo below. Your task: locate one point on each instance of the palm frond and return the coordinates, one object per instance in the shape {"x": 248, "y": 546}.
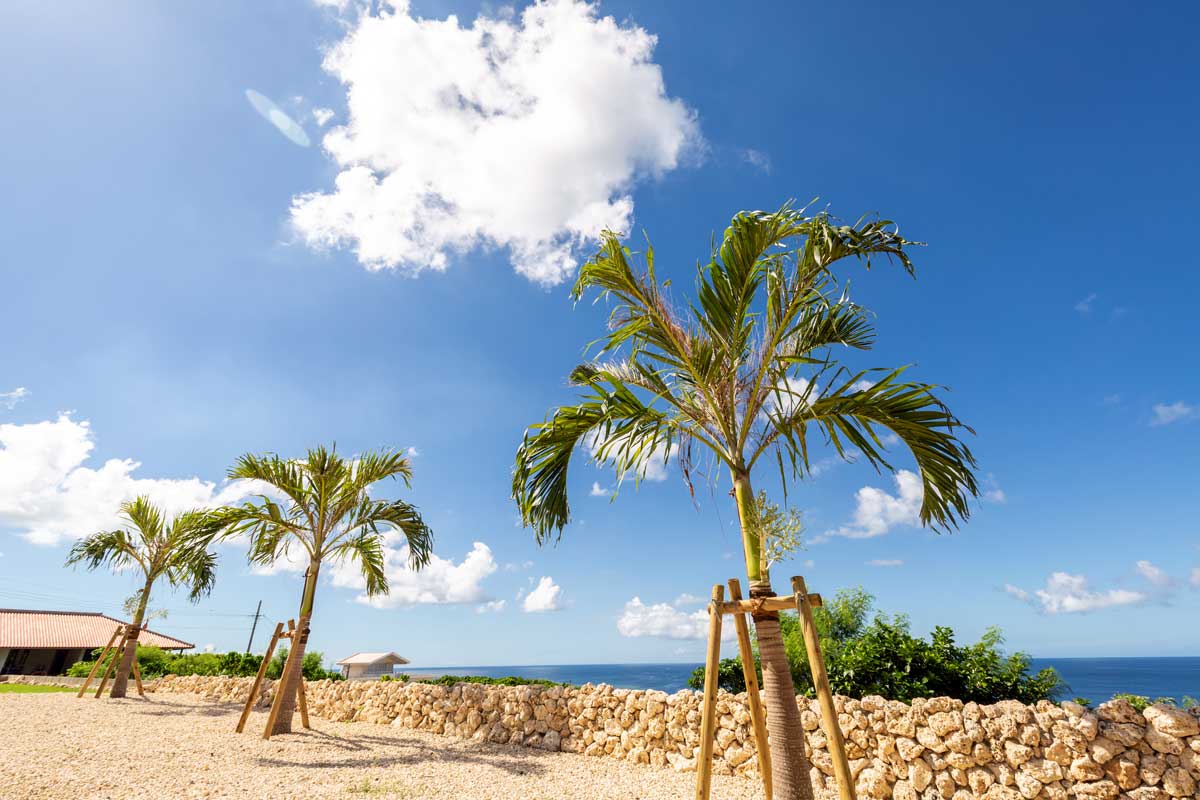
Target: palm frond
{"x": 850, "y": 417}
{"x": 366, "y": 548}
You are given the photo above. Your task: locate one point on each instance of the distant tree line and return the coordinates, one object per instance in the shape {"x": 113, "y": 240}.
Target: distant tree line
{"x": 155, "y": 663}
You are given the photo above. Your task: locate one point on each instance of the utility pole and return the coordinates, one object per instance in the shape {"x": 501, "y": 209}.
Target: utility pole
{"x": 254, "y": 627}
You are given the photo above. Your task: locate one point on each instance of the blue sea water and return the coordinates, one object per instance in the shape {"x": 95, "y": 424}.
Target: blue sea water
{"x": 1097, "y": 679}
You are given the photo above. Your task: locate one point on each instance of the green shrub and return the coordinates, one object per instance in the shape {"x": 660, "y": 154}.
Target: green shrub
{"x": 154, "y": 663}
{"x": 729, "y": 676}
{"x": 510, "y": 680}
{"x": 874, "y": 654}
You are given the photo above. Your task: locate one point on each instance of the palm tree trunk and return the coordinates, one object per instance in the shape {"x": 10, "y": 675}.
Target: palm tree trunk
{"x": 289, "y": 681}
{"x": 121, "y": 681}
{"x": 785, "y": 732}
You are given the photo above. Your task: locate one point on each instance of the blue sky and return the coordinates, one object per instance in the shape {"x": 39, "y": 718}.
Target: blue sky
{"x": 194, "y": 285}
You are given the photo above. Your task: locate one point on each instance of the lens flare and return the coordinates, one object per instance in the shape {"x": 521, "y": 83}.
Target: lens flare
{"x": 276, "y": 116}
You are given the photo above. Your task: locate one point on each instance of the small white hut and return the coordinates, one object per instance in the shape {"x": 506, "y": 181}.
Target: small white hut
{"x": 369, "y": 666}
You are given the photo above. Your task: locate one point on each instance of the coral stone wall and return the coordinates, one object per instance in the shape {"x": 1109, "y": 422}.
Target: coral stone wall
{"x": 933, "y": 749}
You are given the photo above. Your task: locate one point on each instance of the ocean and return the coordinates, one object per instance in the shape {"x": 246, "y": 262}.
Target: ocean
{"x": 1097, "y": 679}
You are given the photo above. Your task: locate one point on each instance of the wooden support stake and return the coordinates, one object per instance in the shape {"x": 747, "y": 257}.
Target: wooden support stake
{"x": 829, "y": 719}
{"x": 753, "y": 699}
{"x": 708, "y": 716}
{"x": 303, "y": 703}
{"x": 120, "y": 629}
{"x": 118, "y": 654}
{"x": 258, "y": 679}
{"x": 137, "y": 677}
{"x": 277, "y": 702}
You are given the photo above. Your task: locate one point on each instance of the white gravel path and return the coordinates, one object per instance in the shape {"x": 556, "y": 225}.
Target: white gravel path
{"x": 178, "y": 746}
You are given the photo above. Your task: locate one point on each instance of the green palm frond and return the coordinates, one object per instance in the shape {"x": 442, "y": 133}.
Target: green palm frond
{"x": 327, "y": 510}
{"x": 744, "y": 370}
{"x": 367, "y": 550}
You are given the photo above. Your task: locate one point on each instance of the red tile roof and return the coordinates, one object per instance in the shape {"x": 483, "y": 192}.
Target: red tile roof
{"x": 20, "y": 628}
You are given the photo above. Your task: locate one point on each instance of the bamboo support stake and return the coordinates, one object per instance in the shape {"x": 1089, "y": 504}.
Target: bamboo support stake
{"x": 100, "y": 660}
{"x": 118, "y": 652}
{"x": 137, "y": 678}
{"x": 753, "y": 699}
{"x": 277, "y": 702}
{"x": 258, "y": 679}
{"x": 708, "y": 717}
{"x": 829, "y": 719}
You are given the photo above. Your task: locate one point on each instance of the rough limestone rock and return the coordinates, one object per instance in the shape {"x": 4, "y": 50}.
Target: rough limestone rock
{"x": 932, "y": 749}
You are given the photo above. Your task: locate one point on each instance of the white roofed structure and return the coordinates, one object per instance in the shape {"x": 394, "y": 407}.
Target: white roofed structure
{"x": 368, "y": 666}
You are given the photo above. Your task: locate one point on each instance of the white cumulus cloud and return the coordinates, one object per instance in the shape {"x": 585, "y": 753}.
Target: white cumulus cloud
{"x": 599, "y": 491}
{"x": 1065, "y": 593}
{"x": 442, "y": 581}
{"x": 546, "y": 596}
{"x": 876, "y": 512}
{"x": 49, "y": 496}
{"x": 526, "y": 133}
{"x": 665, "y": 621}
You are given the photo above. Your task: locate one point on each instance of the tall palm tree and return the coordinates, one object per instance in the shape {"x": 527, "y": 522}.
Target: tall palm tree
{"x": 177, "y": 550}
{"x": 328, "y": 513}
{"x": 746, "y": 372}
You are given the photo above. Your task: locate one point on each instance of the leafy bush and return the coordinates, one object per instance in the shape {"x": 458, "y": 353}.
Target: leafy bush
{"x": 401, "y": 677}
{"x": 510, "y": 680}
{"x": 729, "y": 675}
{"x": 1141, "y": 702}
{"x": 876, "y": 654}
{"x": 155, "y": 663}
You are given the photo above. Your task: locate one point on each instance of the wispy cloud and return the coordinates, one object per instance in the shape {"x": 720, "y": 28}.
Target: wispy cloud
{"x": 10, "y": 399}
{"x": 1193, "y": 580}
{"x": 686, "y": 599}
{"x": 1166, "y": 413}
{"x": 492, "y": 606}
{"x": 1153, "y": 574}
{"x": 599, "y": 491}
{"x": 758, "y": 159}
{"x": 1084, "y": 306}
{"x": 992, "y": 493}
{"x": 886, "y": 562}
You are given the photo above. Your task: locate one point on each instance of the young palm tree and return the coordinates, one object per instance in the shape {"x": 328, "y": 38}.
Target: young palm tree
{"x": 747, "y": 373}
{"x": 328, "y": 513}
{"x": 177, "y": 551}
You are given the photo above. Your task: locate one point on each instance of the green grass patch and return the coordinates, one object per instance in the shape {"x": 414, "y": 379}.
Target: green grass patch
{"x": 29, "y": 688}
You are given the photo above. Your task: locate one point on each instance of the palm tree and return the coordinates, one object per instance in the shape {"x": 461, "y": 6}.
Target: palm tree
{"x": 746, "y": 372}
{"x": 327, "y": 512}
{"x": 177, "y": 551}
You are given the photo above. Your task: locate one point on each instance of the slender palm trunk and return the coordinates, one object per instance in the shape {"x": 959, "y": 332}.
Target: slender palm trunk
{"x": 289, "y": 681}
{"x": 785, "y": 732}
{"x": 121, "y": 681}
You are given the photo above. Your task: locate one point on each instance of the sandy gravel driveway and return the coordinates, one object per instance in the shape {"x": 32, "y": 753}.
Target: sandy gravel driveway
{"x": 57, "y": 747}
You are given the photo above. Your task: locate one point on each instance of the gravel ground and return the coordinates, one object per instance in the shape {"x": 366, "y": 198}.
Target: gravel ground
{"x": 176, "y": 746}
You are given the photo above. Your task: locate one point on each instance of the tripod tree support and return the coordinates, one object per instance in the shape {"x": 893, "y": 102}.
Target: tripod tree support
{"x": 258, "y": 679}
{"x": 803, "y": 602}
{"x": 122, "y": 631}
{"x": 277, "y": 700}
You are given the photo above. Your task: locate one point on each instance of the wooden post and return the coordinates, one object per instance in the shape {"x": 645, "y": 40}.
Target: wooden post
{"x": 753, "y": 699}
{"x": 137, "y": 677}
{"x": 708, "y": 716}
{"x": 302, "y": 701}
{"x": 262, "y": 671}
{"x": 829, "y": 719}
{"x": 120, "y": 629}
{"x": 118, "y": 652}
{"x": 277, "y": 702}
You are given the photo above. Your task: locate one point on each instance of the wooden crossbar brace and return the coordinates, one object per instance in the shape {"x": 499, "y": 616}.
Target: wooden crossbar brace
{"x": 803, "y": 603}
